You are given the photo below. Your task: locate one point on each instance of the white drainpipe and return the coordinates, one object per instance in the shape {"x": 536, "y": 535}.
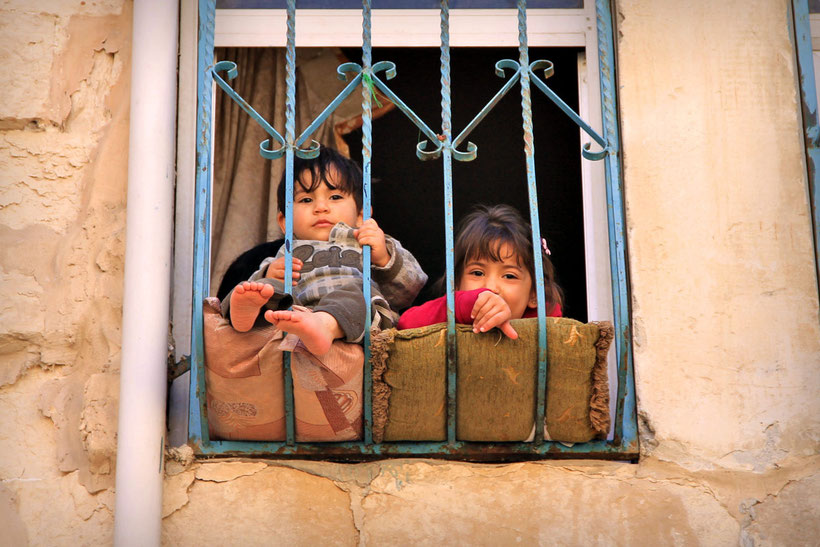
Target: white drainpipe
{"x": 149, "y": 229}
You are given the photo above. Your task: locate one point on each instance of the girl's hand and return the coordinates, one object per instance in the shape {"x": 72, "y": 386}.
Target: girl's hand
{"x": 489, "y": 311}
{"x": 276, "y": 269}
{"x": 369, "y": 233}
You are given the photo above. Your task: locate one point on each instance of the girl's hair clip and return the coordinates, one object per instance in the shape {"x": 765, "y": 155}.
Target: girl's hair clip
{"x": 544, "y": 247}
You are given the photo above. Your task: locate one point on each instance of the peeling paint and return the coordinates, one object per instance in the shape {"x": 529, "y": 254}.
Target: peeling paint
{"x": 175, "y": 492}
{"x": 228, "y": 471}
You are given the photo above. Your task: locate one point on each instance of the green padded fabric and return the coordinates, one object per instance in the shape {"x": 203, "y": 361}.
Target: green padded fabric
{"x": 496, "y": 385}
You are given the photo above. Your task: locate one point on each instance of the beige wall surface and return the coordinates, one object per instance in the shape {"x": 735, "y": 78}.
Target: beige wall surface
{"x": 63, "y": 168}
{"x": 727, "y": 348}
{"x": 724, "y": 296}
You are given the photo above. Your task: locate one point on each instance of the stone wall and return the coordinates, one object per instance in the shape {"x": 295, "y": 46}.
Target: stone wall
{"x": 724, "y": 295}
{"x": 63, "y": 158}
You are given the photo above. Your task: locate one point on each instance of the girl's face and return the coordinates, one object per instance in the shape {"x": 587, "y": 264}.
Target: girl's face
{"x": 507, "y": 278}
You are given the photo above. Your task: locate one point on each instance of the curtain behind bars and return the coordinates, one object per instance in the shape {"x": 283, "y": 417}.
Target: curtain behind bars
{"x": 244, "y": 183}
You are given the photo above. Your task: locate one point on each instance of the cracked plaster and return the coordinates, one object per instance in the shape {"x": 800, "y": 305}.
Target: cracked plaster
{"x": 430, "y": 502}
{"x": 175, "y": 491}
{"x": 227, "y": 471}
{"x": 773, "y": 520}
{"x": 537, "y": 504}
{"x": 275, "y": 505}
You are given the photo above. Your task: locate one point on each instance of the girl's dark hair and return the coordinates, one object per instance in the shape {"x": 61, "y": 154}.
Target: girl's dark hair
{"x": 485, "y": 230}
{"x": 349, "y": 178}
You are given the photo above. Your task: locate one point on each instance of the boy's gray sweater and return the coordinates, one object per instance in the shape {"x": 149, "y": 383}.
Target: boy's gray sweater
{"x": 337, "y": 263}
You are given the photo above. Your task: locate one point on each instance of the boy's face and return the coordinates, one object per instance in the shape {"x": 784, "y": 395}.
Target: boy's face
{"x": 508, "y": 279}
{"x": 316, "y": 212}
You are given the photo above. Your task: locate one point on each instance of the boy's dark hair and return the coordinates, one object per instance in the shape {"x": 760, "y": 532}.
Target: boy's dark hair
{"x": 486, "y": 229}
{"x": 349, "y": 178}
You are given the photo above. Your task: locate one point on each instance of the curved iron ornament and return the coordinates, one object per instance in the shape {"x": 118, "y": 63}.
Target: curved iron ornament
{"x": 369, "y": 78}
{"x": 231, "y": 72}
{"x": 265, "y": 150}
{"x": 549, "y": 70}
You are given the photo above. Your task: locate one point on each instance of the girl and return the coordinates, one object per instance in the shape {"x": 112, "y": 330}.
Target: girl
{"x": 494, "y": 273}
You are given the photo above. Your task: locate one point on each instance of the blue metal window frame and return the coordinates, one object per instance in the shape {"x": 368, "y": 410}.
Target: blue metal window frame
{"x": 808, "y": 100}
{"x": 624, "y": 444}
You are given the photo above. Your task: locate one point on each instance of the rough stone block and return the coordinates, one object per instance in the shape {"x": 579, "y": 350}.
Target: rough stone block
{"x": 28, "y": 43}
{"x": 274, "y": 506}
{"x": 535, "y": 504}
{"x": 98, "y": 422}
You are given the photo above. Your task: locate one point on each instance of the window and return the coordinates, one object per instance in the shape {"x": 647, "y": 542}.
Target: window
{"x": 603, "y": 237}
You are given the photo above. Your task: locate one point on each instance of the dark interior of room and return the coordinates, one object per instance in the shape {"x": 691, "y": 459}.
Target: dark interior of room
{"x": 408, "y": 193}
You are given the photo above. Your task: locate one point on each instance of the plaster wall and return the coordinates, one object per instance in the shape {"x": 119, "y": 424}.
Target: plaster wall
{"x": 727, "y": 348}
{"x": 63, "y": 151}
{"x": 724, "y": 295}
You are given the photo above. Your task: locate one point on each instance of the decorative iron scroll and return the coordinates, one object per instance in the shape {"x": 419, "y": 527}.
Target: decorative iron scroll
{"x": 368, "y": 79}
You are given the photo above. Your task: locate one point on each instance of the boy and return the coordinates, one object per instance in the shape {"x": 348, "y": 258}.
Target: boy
{"x": 327, "y": 261}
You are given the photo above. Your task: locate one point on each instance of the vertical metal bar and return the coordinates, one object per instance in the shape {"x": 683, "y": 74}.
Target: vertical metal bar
{"x": 447, "y": 153}
{"x": 197, "y": 417}
{"x": 811, "y": 129}
{"x": 367, "y": 150}
{"x": 532, "y": 193}
{"x": 625, "y": 411}
{"x": 290, "y": 123}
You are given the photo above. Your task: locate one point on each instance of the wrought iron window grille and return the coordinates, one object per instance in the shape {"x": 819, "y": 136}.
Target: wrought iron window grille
{"x": 434, "y": 145}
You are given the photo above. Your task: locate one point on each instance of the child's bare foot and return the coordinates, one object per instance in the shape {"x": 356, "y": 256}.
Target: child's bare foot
{"x": 246, "y": 300}
{"x": 316, "y": 330}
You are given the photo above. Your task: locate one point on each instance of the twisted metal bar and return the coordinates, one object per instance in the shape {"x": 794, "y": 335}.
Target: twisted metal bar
{"x": 532, "y": 192}
{"x": 367, "y": 151}
{"x": 290, "y": 124}
{"x": 446, "y": 138}
{"x": 606, "y": 62}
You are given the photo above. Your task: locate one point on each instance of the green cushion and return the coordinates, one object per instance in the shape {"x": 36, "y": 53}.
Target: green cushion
{"x": 496, "y": 383}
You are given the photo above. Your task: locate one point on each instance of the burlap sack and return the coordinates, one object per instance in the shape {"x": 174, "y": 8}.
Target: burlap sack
{"x": 245, "y": 386}
{"x": 496, "y": 383}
